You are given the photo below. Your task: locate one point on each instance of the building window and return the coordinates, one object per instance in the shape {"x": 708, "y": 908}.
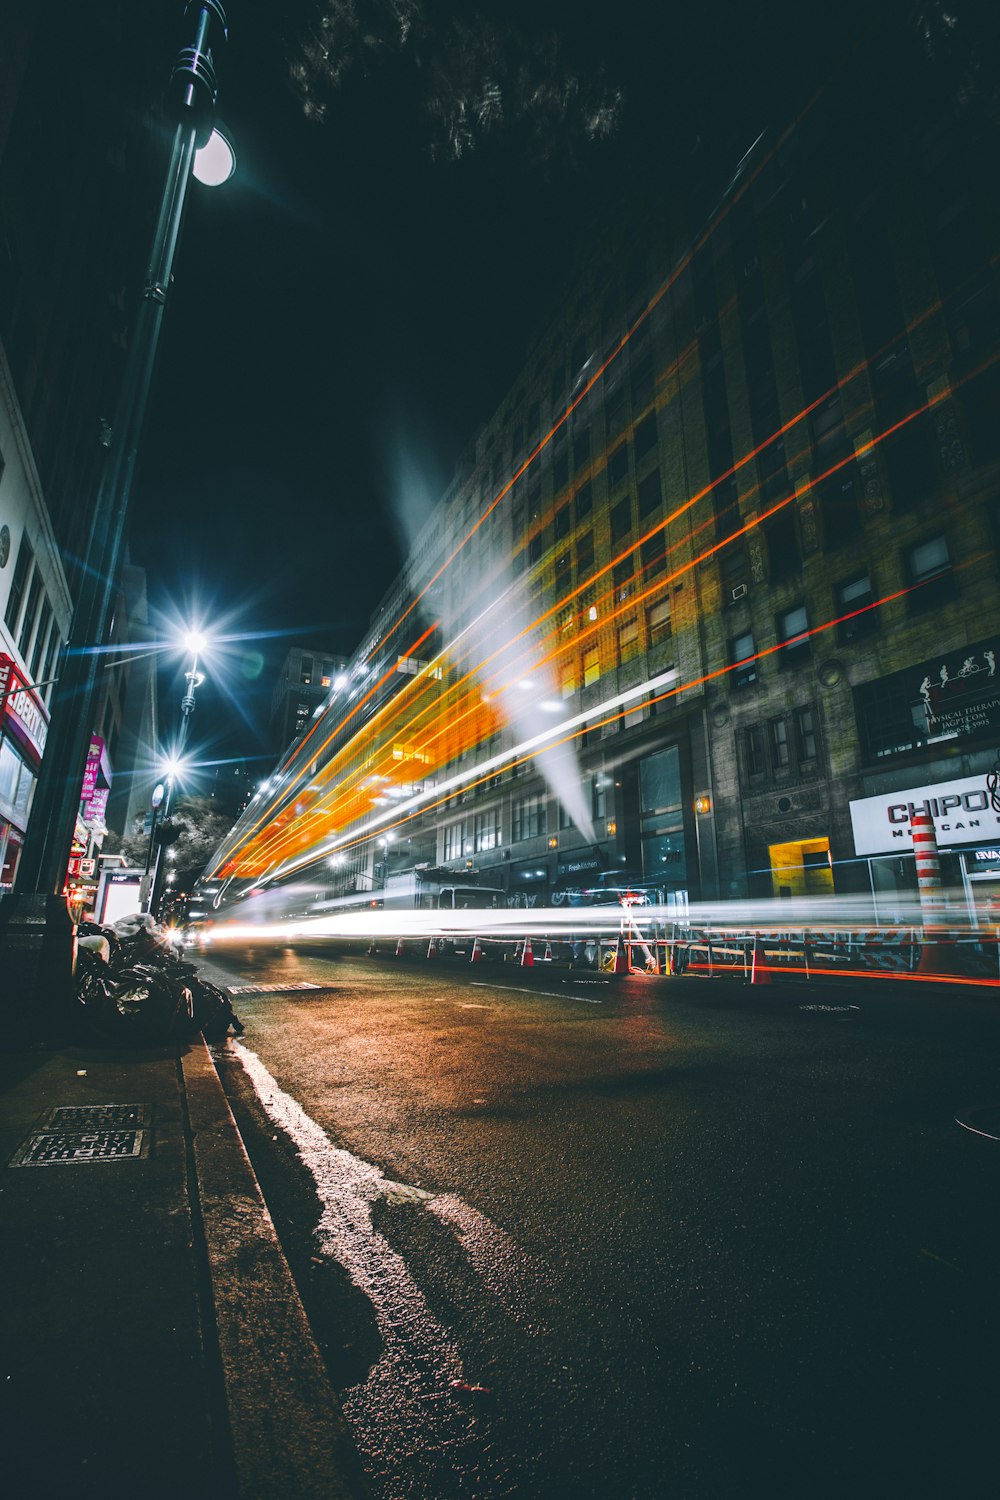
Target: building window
{"x": 743, "y": 659}
{"x": 793, "y": 628}
{"x": 805, "y": 735}
{"x": 41, "y": 636}
{"x": 452, "y": 846}
{"x": 622, "y": 578}
{"x": 306, "y": 670}
{"x": 527, "y": 818}
{"x": 928, "y": 569}
{"x": 755, "y": 750}
{"x": 535, "y": 548}
{"x": 591, "y": 665}
{"x": 654, "y": 554}
{"x": 30, "y": 613}
{"x": 853, "y": 595}
{"x": 562, "y": 526}
{"x": 18, "y": 583}
{"x": 568, "y": 678}
{"x": 560, "y": 472}
{"x": 584, "y": 556}
{"x": 486, "y": 830}
{"x": 584, "y": 501}
{"x": 645, "y": 438}
{"x": 598, "y": 796}
{"x": 779, "y": 744}
{"x": 621, "y": 519}
{"x": 658, "y": 622}
{"x": 782, "y": 546}
{"x": 628, "y": 641}
{"x": 618, "y": 466}
{"x": 649, "y": 494}
{"x": 581, "y": 449}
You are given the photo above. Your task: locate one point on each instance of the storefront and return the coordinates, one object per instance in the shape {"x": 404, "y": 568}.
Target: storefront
{"x": 24, "y": 723}
{"x": 966, "y": 822}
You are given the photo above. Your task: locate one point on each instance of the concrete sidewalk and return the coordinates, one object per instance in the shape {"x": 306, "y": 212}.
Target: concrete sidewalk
{"x": 152, "y": 1342}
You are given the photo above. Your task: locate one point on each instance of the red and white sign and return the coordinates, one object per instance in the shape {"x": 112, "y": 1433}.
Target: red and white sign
{"x": 962, "y": 812}
{"x": 21, "y": 710}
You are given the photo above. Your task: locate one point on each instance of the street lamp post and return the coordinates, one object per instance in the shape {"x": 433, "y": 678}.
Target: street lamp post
{"x": 194, "y": 678}
{"x": 36, "y": 934}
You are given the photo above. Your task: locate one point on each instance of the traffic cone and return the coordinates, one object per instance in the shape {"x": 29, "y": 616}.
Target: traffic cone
{"x": 621, "y": 965}
{"x": 399, "y": 947}
{"x": 667, "y": 966}
{"x": 477, "y": 953}
{"x": 759, "y": 972}
{"x": 432, "y": 948}
{"x": 527, "y": 955}
{"x": 548, "y": 952}
{"x": 372, "y": 949}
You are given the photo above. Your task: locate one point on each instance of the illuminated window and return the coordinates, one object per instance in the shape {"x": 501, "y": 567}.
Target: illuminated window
{"x": 628, "y": 641}
{"x": 452, "y": 845}
{"x": 591, "y": 665}
{"x": 568, "y": 679}
{"x": 658, "y": 622}
{"x": 527, "y": 818}
{"x": 306, "y": 670}
{"x": 486, "y": 830}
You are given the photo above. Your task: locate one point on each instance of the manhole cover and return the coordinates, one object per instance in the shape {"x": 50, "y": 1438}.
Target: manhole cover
{"x": 52, "y": 1148}
{"x": 982, "y": 1121}
{"x": 71, "y": 1133}
{"x": 96, "y": 1116}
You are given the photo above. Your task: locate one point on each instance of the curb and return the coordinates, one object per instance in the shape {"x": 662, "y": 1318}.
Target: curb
{"x": 289, "y": 1436}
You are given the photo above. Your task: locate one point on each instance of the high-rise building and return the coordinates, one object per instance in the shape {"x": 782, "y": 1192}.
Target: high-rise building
{"x": 712, "y": 602}
{"x": 302, "y": 686}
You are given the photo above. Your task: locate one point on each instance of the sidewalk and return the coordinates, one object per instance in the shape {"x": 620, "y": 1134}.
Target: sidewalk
{"x": 152, "y": 1342}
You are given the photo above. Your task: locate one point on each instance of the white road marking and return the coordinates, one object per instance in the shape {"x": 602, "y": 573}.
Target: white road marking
{"x": 522, "y": 990}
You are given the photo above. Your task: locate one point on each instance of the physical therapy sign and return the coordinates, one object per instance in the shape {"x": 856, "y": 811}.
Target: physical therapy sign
{"x": 963, "y": 813}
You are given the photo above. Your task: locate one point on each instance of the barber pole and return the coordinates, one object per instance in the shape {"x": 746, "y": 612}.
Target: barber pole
{"x": 925, "y": 850}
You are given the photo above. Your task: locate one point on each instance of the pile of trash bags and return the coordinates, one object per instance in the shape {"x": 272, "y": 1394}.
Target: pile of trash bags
{"x": 134, "y": 988}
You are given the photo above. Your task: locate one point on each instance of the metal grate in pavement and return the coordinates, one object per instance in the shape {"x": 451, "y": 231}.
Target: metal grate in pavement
{"x": 71, "y": 1134}
{"x": 272, "y": 989}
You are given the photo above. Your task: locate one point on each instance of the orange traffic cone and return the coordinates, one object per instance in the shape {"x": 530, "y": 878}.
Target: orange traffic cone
{"x": 399, "y": 947}
{"x": 621, "y": 965}
{"x": 527, "y": 955}
{"x": 759, "y": 972}
{"x": 477, "y": 953}
{"x": 548, "y": 952}
{"x": 432, "y": 948}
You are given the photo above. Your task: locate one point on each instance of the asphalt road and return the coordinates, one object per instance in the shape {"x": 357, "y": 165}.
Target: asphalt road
{"x": 692, "y": 1238}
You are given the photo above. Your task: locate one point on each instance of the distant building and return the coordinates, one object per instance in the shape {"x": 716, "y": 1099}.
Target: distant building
{"x": 302, "y": 686}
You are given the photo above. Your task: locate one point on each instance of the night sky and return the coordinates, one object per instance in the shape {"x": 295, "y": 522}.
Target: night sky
{"x": 366, "y": 287}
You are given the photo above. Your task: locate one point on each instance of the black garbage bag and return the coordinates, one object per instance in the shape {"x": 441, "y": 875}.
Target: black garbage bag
{"x": 110, "y": 936}
{"x": 141, "y": 1006}
{"x": 213, "y": 1010}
